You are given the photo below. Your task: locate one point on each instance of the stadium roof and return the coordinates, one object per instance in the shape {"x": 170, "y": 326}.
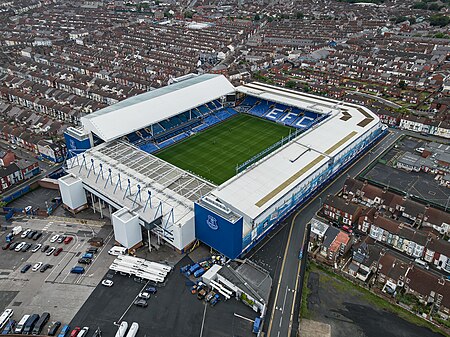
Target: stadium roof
{"x": 101, "y": 168}
{"x": 259, "y": 187}
{"x": 137, "y": 112}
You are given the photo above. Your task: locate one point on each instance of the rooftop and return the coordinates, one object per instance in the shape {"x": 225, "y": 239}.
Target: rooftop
{"x": 263, "y": 183}
{"x": 151, "y": 107}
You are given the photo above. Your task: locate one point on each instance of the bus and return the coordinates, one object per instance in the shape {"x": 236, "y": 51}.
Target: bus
{"x": 4, "y": 318}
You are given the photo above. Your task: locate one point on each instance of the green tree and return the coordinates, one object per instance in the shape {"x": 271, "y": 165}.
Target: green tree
{"x": 256, "y": 17}
{"x": 402, "y": 84}
{"x": 188, "y": 14}
{"x": 439, "y": 20}
{"x": 299, "y": 15}
{"x": 291, "y": 84}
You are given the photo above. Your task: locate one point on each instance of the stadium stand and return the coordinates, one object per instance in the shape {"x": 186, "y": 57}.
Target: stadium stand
{"x": 280, "y": 113}
{"x": 177, "y": 128}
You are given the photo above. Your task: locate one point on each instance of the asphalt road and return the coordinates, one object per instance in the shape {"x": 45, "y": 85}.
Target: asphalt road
{"x": 283, "y": 311}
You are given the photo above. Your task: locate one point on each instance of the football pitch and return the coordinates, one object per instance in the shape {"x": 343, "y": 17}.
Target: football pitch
{"x": 214, "y": 153}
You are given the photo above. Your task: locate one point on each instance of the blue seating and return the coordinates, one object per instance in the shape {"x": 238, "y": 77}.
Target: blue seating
{"x": 211, "y": 106}
{"x": 279, "y": 113}
{"x": 211, "y": 120}
{"x": 196, "y": 113}
{"x": 133, "y": 137}
{"x": 165, "y": 143}
{"x": 149, "y": 147}
{"x": 157, "y": 128}
{"x": 200, "y": 127}
{"x": 203, "y": 109}
{"x": 260, "y": 109}
{"x": 222, "y": 114}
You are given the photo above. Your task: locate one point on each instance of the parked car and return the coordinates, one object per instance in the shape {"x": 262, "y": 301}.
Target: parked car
{"x": 25, "y": 233}
{"x": 347, "y": 229}
{"x": 6, "y": 246}
{"x": 77, "y": 270}
{"x": 145, "y": 295}
{"x": 31, "y": 234}
{"x": 45, "y": 267}
{"x": 84, "y": 261}
{"x": 88, "y": 256}
{"x": 50, "y": 251}
{"x": 13, "y": 245}
{"x": 64, "y": 331}
{"x": 54, "y": 328}
{"x": 37, "y": 236}
{"x": 36, "y": 248}
{"x": 75, "y": 332}
{"x": 54, "y": 238}
{"x": 57, "y": 252}
{"x": 26, "y": 247}
{"x": 61, "y": 239}
{"x": 44, "y": 248}
{"x": 107, "y": 283}
{"x": 9, "y": 327}
{"x": 215, "y": 300}
{"x": 92, "y": 250}
{"x": 20, "y": 246}
{"x": 37, "y": 266}
{"x": 151, "y": 290}
{"x": 83, "y": 332}
{"x": 140, "y": 302}
{"x": 68, "y": 239}
{"x": 25, "y": 268}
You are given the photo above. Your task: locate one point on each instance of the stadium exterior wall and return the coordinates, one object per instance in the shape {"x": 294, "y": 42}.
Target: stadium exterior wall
{"x": 218, "y": 232}
{"x": 299, "y": 194}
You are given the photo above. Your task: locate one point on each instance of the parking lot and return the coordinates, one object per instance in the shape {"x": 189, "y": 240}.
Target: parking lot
{"x": 38, "y": 198}
{"x": 173, "y": 311}
{"x": 55, "y": 290}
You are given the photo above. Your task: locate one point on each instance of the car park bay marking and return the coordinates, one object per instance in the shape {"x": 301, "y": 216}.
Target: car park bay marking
{"x": 132, "y": 302}
{"x": 203, "y": 321}
{"x": 81, "y": 277}
{"x": 60, "y": 262}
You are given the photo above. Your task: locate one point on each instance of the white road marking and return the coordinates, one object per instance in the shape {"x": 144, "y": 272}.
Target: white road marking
{"x": 203, "y": 321}
{"x": 132, "y": 302}
{"x": 243, "y": 317}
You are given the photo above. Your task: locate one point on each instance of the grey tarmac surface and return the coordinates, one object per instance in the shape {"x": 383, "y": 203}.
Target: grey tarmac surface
{"x": 173, "y": 311}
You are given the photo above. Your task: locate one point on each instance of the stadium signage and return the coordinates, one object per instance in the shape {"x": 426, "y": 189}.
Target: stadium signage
{"x": 212, "y": 222}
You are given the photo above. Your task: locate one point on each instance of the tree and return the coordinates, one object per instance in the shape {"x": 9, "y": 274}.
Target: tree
{"x": 188, "y": 14}
{"x": 299, "y": 15}
{"x": 257, "y": 17}
{"x": 402, "y": 84}
{"x": 290, "y": 84}
{"x": 439, "y": 20}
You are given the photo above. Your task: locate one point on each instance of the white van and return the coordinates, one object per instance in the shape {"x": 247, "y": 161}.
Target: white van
{"x": 122, "y": 329}
{"x": 21, "y": 324}
{"x": 116, "y": 251}
{"x": 421, "y": 263}
{"x": 133, "y": 330}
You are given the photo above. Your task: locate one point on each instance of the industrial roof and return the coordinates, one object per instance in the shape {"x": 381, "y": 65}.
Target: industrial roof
{"x": 257, "y": 188}
{"x": 137, "y": 112}
{"x": 103, "y": 166}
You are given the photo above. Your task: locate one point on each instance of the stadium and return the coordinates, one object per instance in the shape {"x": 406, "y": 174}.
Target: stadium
{"x": 202, "y": 160}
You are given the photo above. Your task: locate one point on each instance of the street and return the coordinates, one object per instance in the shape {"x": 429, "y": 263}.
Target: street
{"x": 283, "y": 311}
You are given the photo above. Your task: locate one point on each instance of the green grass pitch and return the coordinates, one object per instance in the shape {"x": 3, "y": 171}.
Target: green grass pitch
{"x": 214, "y": 153}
